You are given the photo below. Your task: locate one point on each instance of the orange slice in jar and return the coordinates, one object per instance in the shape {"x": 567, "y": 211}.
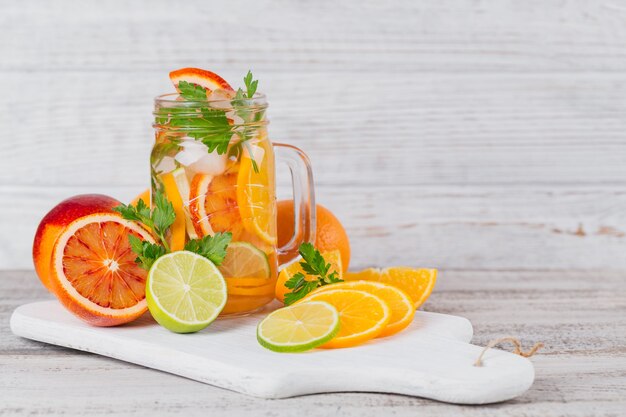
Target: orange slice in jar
{"x": 177, "y": 229}
{"x": 213, "y": 205}
{"x": 93, "y": 270}
{"x": 255, "y": 191}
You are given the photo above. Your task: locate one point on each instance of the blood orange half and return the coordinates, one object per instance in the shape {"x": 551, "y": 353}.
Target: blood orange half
{"x": 93, "y": 270}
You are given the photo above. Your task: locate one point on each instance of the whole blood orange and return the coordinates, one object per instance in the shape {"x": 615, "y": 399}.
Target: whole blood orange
{"x": 329, "y": 233}
{"x": 55, "y": 222}
{"x": 93, "y": 271}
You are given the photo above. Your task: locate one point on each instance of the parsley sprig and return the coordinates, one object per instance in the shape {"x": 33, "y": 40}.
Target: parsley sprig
{"x": 314, "y": 265}
{"x": 251, "y": 84}
{"x": 211, "y": 247}
{"x": 191, "y": 92}
{"x": 210, "y": 125}
{"x": 146, "y": 252}
{"x": 159, "y": 220}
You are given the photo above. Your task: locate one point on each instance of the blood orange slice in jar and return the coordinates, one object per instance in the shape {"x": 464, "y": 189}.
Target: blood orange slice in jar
{"x": 213, "y": 205}
{"x": 93, "y": 270}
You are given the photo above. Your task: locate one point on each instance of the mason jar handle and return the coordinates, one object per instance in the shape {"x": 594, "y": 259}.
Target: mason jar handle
{"x": 303, "y": 200}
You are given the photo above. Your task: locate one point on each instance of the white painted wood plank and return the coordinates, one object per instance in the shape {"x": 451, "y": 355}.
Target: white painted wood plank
{"x": 94, "y": 128}
{"x": 444, "y": 227}
{"x": 351, "y": 36}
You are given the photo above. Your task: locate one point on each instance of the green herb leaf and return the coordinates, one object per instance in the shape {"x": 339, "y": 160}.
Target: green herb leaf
{"x": 314, "y": 265}
{"x": 251, "y": 85}
{"x": 191, "y": 92}
{"x": 299, "y": 286}
{"x": 158, "y": 219}
{"x": 146, "y": 252}
{"x": 163, "y": 214}
{"x": 211, "y": 247}
{"x": 139, "y": 213}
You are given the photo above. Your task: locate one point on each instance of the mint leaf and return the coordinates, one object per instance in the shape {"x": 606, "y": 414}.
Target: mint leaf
{"x": 192, "y": 92}
{"x": 211, "y": 247}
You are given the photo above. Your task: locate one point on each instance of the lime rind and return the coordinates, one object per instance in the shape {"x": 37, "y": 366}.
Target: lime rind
{"x": 289, "y": 327}
{"x": 205, "y": 296}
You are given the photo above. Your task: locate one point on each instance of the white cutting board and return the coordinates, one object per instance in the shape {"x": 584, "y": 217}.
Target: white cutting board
{"x": 430, "y": 359}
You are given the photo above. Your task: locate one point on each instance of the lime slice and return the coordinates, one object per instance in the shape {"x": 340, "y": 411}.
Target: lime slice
{"x": 245, "y": 262}
{"x": 299, "y": 327}
{"x": 185, "y": 291}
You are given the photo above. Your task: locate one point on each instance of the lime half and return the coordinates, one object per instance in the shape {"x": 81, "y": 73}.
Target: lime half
{"x": 299, "y": 327}
{"x": 185, "y": 291}
{"x": 245, "y": 262}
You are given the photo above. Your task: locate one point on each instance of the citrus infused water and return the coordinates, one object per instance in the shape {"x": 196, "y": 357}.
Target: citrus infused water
{"x": 213, "y": 160}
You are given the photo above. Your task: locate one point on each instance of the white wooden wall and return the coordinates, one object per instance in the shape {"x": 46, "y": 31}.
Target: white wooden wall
{"x": 458, "y": 134}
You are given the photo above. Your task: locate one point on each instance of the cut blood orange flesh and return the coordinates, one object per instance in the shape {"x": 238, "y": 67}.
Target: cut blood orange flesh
{"x": 213, "y": 205}
{"x": 203, "y": 78}
{"x": 93, "y": 270}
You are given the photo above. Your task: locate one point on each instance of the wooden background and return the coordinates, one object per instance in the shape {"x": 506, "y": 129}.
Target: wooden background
{"x": 456, "y": 134}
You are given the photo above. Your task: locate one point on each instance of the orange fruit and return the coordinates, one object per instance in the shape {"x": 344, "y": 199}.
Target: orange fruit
{"x": 418, "y": 283}
{"x": 401, "y": 305}
{"x": 177, "y": 231}
{"x": 362, "y": 316}
{"x": 213, "y": 205}
{"x": 55, "y": 222}
{"x": 329, "y": 233}
{"x": 145, "y": 196}
{"x": 256, "y": 195}
{"x": 93, "y": 269}
{"x": 334, "y": 258}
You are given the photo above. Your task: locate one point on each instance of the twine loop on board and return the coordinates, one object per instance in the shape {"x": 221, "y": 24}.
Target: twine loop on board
{"x": 518, "y": 348}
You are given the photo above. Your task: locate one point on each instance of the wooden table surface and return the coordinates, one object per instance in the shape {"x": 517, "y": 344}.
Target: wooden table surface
{"x": 579, "y": 315}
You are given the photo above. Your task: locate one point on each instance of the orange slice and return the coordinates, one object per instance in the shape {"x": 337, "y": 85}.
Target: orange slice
{"x": 255, "y": 192}
{"x": 94, "y": 273}
{"x": 401, "y": 305}
{"x": 213, "y": 205}
{"x": 417, "y": 283}
{"x": 207, "y": 79}
{"x": 362, "y": 316}
{"x": 178, "y": 228}
{"x": 334, "y": 258}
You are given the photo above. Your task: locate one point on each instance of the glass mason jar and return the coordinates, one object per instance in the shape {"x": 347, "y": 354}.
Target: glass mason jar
{"x": 214, "y": 161}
